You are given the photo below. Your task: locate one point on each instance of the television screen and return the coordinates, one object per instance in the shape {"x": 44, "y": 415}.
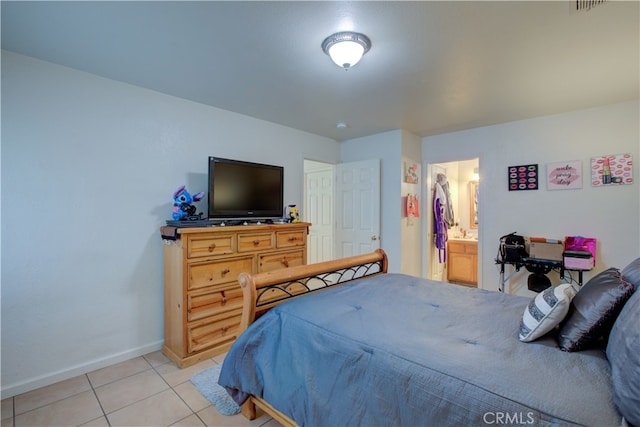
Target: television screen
{"x": 240, "y": 189}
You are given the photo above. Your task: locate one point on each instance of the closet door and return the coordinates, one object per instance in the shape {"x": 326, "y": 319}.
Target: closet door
{"x": 357, "y": 208}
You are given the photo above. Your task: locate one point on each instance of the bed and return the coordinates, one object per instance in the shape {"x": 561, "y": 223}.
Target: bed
{"x": 346, "y": 343}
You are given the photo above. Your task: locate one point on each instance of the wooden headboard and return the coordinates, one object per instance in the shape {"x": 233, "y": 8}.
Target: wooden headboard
{"x": 266, "y": 290}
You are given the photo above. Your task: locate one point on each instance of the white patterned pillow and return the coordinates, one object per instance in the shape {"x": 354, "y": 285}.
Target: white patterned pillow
{"x": 546, "y": 311}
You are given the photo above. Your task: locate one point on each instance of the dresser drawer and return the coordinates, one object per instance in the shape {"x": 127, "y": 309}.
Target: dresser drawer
{"x": 213, "y": 301}
{"x": 215, "y": 331}
{"x": 277, "y": 260}
{"x": 209, "y": 245}
{"x": 255, "y": 242}
{"x": 287, "y": 239}
{"x": 218, "y": 272}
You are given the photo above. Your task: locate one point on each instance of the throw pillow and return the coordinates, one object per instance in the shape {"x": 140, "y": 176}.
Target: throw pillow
{"x": 623, "y": 352}
{"x": 593, "y": 311}
{"x": 545, "y": 311}
{"x": 631, "y": 273}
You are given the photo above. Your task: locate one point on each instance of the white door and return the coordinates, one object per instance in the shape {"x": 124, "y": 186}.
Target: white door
{"x": 319, "y": 212}
{"x": 357, "y": 208}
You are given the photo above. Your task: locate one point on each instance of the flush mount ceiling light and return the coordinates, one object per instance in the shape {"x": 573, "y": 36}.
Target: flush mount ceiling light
{"x": 346, "y": 48}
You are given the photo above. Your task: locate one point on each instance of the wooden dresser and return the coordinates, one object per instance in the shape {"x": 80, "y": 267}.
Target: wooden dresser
{"x": 202, "y": 297}
{"x": 462, "y": 262}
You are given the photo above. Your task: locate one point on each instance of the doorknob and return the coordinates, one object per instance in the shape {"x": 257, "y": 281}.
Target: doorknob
{"x": 374, "y": 237}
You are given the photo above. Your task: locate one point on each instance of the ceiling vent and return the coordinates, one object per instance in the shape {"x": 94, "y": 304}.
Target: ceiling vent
{"x": 586, "y": 5}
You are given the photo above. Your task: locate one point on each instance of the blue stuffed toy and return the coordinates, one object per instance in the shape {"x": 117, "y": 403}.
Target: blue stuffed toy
{"x": 183, "y": 207}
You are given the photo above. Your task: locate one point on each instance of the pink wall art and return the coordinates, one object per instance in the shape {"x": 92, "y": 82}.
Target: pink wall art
{"x": 564, "y": 175}
{"x": 615, "y": 169}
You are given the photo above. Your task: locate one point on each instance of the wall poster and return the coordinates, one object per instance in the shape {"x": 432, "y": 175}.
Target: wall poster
{"x": 615, "y": 169}
{"x": 411, "y": 173}
{"x": 523, "y": 177}
{"x": 564, "y": 175}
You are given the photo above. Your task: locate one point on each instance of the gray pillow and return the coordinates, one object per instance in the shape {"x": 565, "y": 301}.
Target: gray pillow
{"x": 623, "y": 352}
{"x": 593, "y": 311}
{"x": 631, "y": 273}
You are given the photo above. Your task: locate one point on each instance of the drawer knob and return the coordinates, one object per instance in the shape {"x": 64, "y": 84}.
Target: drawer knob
{"x": 292, "y": 239}
{"x": 225, "y": 329}
{"x": 256, "y": 242}
{"x": 224, "y": 298}
{"x": 212, "y": 247}
{"x": 285, "y": 262}
{"x": 225, "y": 271}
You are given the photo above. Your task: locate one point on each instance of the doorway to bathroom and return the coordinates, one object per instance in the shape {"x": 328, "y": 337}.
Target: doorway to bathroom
{"x": 453, "y": 222}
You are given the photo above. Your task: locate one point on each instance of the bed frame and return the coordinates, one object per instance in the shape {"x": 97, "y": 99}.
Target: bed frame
{"x": 266, "y": 290}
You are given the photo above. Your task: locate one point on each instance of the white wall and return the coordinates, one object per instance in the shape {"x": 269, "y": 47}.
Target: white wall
{"x": 89, "y": 167}
{"x": 610, "y": 214}
{"x": 411, "y": 235}
{"x": 401, "y": 239}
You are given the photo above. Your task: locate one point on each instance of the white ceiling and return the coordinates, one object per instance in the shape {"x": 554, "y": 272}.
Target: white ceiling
{"x": 433, "y": 67}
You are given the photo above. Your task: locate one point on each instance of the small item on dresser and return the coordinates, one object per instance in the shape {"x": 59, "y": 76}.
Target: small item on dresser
{"x": 294, "y": 214}
{"x": 183, "y": 207}
{"x": 168, "y": 232}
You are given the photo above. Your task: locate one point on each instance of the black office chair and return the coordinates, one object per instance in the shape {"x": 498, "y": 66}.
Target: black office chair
{"x": 538, "y": 280}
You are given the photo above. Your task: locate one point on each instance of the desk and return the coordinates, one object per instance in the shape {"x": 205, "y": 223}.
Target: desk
{"x": 545, "y": 265}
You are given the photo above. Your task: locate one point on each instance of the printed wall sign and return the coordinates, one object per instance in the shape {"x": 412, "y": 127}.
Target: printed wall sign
{"x": 523, "y": 177}
{"x": 616, "y": 169}
{"x": 564, "y": 175}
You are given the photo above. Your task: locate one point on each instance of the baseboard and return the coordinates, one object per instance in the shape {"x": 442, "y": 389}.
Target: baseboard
{"x": 54, "y": 377}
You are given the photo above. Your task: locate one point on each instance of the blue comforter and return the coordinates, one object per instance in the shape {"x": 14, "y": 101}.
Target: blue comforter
{"x": 395, "y": 350}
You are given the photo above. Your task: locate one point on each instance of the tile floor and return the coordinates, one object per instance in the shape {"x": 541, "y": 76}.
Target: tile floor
{"x": 146, "y": 391}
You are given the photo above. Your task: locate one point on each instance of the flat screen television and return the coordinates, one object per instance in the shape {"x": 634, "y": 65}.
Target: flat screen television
{"x": 240, "y": 189}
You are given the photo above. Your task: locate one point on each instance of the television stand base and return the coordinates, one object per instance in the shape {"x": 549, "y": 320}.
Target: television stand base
{"x": 190, "y": 223}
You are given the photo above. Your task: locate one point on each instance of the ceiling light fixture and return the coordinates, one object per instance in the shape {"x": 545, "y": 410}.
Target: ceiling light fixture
{"x": 346, "y": 48}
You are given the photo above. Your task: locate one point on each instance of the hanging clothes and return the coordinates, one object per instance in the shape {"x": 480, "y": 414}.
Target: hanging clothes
{"x": 446, "y": 202}
{"x": 439, "y": 224}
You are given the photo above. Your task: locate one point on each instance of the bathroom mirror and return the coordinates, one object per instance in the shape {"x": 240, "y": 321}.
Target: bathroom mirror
{"x": 473, "y": 203}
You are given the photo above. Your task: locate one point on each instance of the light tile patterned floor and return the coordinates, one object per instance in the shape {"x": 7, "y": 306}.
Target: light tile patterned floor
{"x": 146, "y": 391}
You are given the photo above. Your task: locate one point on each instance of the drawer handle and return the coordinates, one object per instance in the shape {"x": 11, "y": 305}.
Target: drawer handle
{"x": 256, "y": 242}
{"x": 212, "y": 247}
{"x": 285, "y": 262}
{"x": 225, "y": 329}
{"x": 225, "y": 271}
{"x": 224, "y": 298}
{"x": 293, "y": 238}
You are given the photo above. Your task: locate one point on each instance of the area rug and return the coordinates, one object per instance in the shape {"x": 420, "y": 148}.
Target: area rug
{"x": 207, "y": 384}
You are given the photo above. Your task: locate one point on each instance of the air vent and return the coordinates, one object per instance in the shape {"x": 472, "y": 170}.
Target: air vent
{"x": 586, "y": 5}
